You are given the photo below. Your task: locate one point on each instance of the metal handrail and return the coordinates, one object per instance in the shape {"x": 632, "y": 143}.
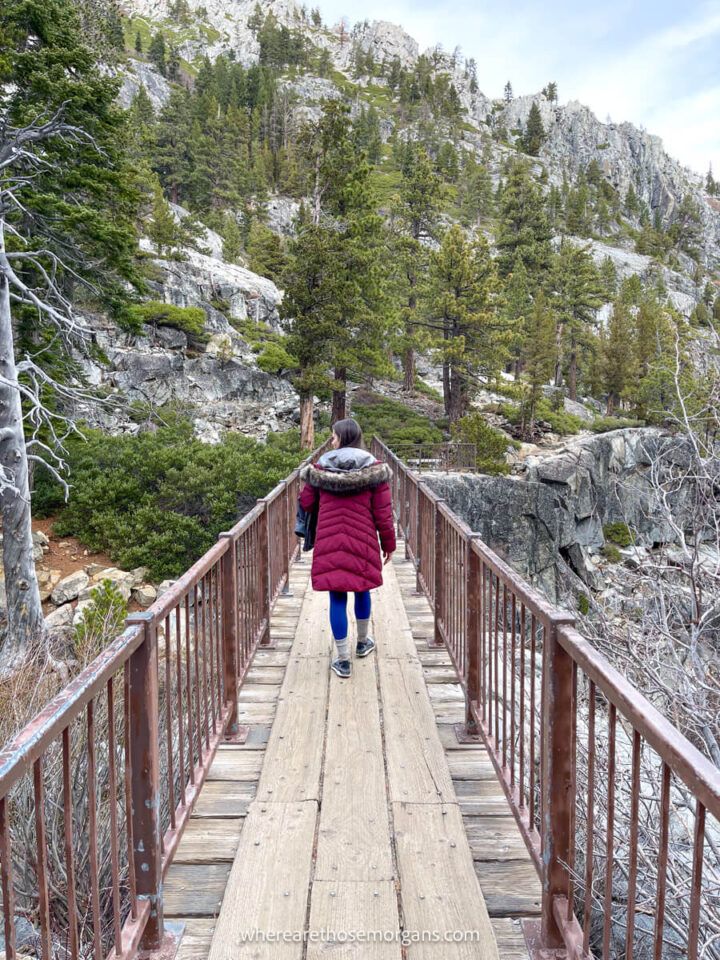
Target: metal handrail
{"x": 543, "y": 698}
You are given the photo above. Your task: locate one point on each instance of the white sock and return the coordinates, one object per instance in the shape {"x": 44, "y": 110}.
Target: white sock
{"x": 343, "y": 648}
{"x": 362, "y": 630}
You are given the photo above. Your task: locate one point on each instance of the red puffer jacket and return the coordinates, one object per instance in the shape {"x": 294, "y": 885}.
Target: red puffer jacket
{"x": 354, "y": 507}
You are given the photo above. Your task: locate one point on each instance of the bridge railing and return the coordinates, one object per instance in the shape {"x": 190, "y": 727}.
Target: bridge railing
{"x": 96, "y": 790}
{"x": 619, "y": 811}
{"x": 438, "y": 456}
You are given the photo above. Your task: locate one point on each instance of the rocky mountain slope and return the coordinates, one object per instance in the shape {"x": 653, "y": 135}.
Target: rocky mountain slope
{"x": 219, "y": 377}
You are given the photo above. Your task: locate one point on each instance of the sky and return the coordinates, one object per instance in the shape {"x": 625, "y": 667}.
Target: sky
{"x": 655, "y": 63}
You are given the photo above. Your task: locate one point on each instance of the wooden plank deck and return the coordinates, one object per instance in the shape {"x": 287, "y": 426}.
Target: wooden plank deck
{"x": 352, "y": 806}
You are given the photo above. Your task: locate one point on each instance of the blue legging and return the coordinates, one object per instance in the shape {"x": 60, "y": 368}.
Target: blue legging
{"x": 338, "y": 611}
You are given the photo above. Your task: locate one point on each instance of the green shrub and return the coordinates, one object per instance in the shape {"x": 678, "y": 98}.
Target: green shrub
{"x": 155, "y": 312}
{"x": 611, "y": 553}
{"x": 559, "y": 421}
{"x": 584, "y": 604}
{"x": 160, "y": 498}
{"x": 605, "y": 424}
{"x": 393, "y": 421}
{"x": 491, "y": 444}
{"x": 619, "y": 533}
{"x": 101, "y": 622}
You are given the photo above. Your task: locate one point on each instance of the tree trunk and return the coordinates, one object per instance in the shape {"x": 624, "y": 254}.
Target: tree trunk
{"x": 456, "y": 401}
{"x": 316, "y": 193}
{"x": 24, "y": 610}
{"x": 307, "y": 424}
{"x": 558, "y": 362}
{"x": 572, "y": 375}
{"x": 446, "y": 387}
{"x": 339, "y": 397}
{"x": 408, "y": 362}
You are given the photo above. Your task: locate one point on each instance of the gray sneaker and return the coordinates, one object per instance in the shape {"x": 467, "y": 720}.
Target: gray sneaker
{"x": 364, "y": 647}
{"x": 342, "y": 668}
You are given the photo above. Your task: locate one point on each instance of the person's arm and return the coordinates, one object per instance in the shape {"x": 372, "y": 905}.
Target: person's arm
{"x": 308, "y": 496}
{"x": 381, "y": 504}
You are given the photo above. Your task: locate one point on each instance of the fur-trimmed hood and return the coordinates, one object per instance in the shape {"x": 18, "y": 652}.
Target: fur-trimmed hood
{"x": 346, "y": 481}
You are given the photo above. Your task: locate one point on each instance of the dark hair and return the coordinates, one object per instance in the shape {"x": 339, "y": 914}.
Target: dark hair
{"x": 348, "y": 432}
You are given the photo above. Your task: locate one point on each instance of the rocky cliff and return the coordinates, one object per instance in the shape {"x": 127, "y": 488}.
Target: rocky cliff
{"x": 552, "y": 516}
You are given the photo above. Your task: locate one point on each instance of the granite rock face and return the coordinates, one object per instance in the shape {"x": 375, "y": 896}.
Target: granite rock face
{"x": 558, "y": 508}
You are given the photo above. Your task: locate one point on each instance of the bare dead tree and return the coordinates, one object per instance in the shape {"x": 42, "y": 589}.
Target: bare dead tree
{"x": 30, "y": 432}
{"x": 664, "y": 636}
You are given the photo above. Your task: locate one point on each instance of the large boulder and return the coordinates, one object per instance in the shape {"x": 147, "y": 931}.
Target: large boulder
{"x": 69, "y": 587}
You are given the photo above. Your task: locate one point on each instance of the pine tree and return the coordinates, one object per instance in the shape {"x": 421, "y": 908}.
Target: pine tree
{"x": 173, "y": 63}
{"x": 711, "y": 186}
{"x": 516, "y": 307}
{"x": 539, "y": 358}
{"x": 578, "y": 293}
{"x": 333, "y": 284}
{"x": 534, "y": 132}
{"x": 157, "y": 52}
{"x": 416, "y": 215}
{"x": 508, "y": 92}
{"x": 474, "y": 192}
{"x": 266, "y": 252}
{"x": 162, "y": 229}
{"x": 138, "y": 42}
{"x": 470, "y": 338}
{"x": 609, "y": 278}
{"x": 632, "y": 205}
{"x": 232, "y": 239}
{"x": 618, "y": 356}
{"x": 175, "y": 141}
{"x": 523, "y": 224}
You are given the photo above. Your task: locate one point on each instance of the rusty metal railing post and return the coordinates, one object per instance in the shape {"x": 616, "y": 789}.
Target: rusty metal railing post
{"x": 418, "y": 540}
{"x": 230, "y": 631}
{"x": 145, "y": 777}
{"x": 472, "y": 636}
{"x": 265, "y": 572}
{"x": 286, "y": 592}
{"x": 557, "y": 777}
{"x": 439, "y": 592}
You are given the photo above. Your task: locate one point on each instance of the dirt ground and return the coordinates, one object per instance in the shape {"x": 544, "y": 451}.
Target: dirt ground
{"x": 66, "y": 554}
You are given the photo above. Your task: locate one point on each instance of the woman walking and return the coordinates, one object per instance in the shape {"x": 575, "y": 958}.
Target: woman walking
{"x": 350, "y": 489}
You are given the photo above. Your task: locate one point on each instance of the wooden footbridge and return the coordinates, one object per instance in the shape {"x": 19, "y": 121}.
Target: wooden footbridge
{"x": 207, "y": 788}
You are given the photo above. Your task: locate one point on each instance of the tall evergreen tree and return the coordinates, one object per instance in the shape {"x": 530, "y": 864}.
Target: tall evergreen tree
{"x": 416, "y": 214}
{"x": 471, "y": 338}
{"x": 523, "y": 227}
{"x": 539, "y": 357}
{"x": 333, "y": 287}
{"x": 577, "y": 296}
{"x": 157, "y": 52}
{"x": 619, "y": 357}
{"x": 535, "y": 135}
